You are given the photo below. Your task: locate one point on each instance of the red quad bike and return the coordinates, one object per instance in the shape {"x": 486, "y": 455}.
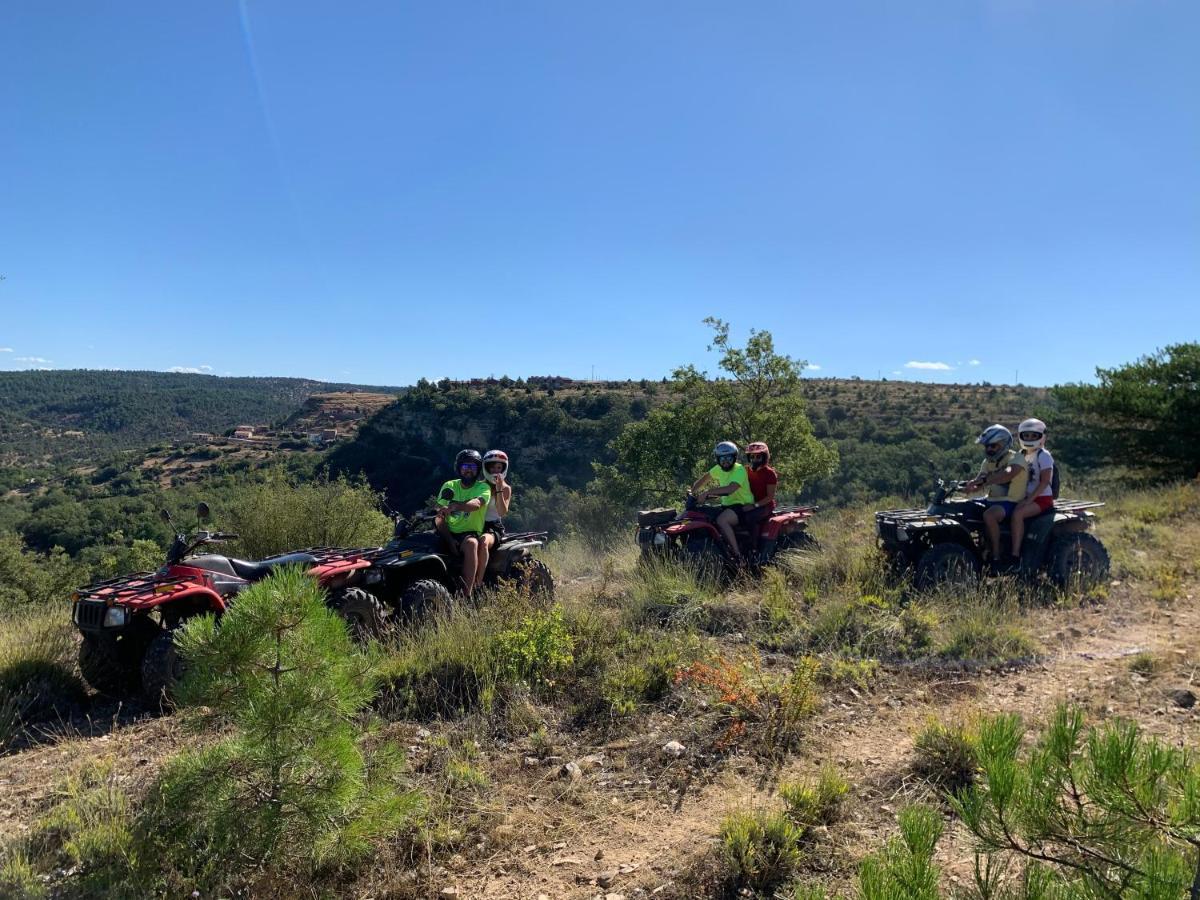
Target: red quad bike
{"x": 128, "y": 623}
{"x": 694, "y": 535}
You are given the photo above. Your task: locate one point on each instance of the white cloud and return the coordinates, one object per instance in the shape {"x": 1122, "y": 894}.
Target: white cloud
{"x": 191, "y": 370}
{"x": 31, "y": 359}
{"x": 974, "y": 362}
{"x": 6, "y": 349}
{"x": 897, "y": 372}
{"x": 813, "y": 366}
{"x": 935, "y": 366}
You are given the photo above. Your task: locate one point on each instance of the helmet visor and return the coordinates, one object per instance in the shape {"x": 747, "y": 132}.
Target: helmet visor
{"x": 994, "y": 446}
{"x": 1032, "y": 436}
{"x": 494, "y": 467}
{"x": 468, "y": 467}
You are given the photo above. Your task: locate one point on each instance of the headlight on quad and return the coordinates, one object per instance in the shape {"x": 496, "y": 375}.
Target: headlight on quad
{"x": 660, "y": 539}
{"x": 114, "y": 617}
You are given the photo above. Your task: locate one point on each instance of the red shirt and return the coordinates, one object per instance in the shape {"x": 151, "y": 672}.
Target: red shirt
{"x": 759, "y": 479}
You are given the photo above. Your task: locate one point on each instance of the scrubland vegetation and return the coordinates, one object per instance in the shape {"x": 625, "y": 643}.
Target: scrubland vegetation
{"x": 822, "y": 731}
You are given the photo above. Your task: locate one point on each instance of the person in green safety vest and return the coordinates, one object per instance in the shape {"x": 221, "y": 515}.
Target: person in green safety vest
{"x": 462, "y": 506}
{"x": 731, "y": 483}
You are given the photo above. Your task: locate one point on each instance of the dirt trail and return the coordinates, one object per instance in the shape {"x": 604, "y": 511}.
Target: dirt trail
{"x": 646, "y": 844}
{"x": 622, "y": 828}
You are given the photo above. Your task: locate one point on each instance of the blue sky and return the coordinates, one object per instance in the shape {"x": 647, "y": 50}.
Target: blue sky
{"x": 376, "y": 192}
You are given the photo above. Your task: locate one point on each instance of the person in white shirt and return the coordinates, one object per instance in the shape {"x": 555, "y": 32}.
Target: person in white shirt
{"x": 495, "y": 472}
{"x": 1039, "y": 494}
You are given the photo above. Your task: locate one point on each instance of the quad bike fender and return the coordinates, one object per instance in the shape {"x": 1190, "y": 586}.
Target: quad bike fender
{"x": 338, "y": 574}
{"x": 193, "y": 598}
{"x": 691, "y": 527}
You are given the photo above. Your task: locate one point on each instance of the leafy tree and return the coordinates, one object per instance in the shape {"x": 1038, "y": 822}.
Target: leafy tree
{"x": 1144, "y": 415}
{"x": 758, "y": 398}
{"x": 291, "y": 788}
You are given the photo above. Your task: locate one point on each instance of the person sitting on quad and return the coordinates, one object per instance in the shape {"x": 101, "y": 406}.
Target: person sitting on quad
{"x": 1039, "y": 495}
{"x": 1004, "y": 475}
{"x": 732, "y": 486}
{"x": 460, "y": 519}
{"x": 763, "y": 482}
{"x": 495, "y": 473}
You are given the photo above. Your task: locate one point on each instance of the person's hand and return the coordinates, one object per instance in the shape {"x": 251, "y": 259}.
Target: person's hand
{"x": 498, "y": 484}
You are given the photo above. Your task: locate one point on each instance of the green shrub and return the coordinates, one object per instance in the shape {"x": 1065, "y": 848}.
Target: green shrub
{"x": 1145, "y": 664}
{"x": 872, "y": 625}
{"x": 759, "y": 851}
{"x": 89, "y": 829}
{"x": 643, "y": 669}
{"x": 819, "y": 803}
{"x": 983, "y": 633}
{"x": 30, "y": 578}
{"x": 18, "y": 878}
{"x": 904, "y": 869}
{"x": 537, "y": 649}
{"x": 276, "y": 516}
{"x": 947, "y": 755}
{"x": 291, "y": 788}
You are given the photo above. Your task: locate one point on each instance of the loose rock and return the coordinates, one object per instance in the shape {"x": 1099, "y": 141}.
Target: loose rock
{"x": 673, "y": 748}
{"x": 1182, "y": 697}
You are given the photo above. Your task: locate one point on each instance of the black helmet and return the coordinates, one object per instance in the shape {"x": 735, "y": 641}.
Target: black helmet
{"x": 468, "y": 456}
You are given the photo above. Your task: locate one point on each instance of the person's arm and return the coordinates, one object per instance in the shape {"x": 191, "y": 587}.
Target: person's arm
{"x": 770, "y": 498}
{"x": 698, "y": 486}
{"x": 724, "y": 491}
{"x": 503, "y": 495}
{"x": 1005, "y": 475}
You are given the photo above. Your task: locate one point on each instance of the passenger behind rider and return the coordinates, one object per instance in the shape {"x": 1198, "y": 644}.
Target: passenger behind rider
{"x": 763, "y": 483}
{"x": 732, "y": 486}
{"x": 460, "y": 519}
{"x": 1004, "y": 475}
{"x": 495, "y": 473}
{"x": 1039, "y": 495}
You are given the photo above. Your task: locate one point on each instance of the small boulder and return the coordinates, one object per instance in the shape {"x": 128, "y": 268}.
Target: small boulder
{"x": 673, "y": 748}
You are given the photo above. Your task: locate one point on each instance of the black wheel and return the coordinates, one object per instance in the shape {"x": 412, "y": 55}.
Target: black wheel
{"x": 798, "y": 540}
{"x": 162, "y": 668}
{"x": 425, "y": 597}
{"x": 108, "y": 666}
{"x": 704, "y": 557}
{"x": 1078, "y": 561}
{"x": 533, "y": 576}
{"x": 945, "y": 564}
{"x": 366, "y": 616}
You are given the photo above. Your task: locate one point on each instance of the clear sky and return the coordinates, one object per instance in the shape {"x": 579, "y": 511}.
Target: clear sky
{"x": 376, "y": 192}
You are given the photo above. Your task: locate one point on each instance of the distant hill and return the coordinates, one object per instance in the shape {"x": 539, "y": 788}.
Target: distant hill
{"x": 893, "y": 437}
{"x": 73, "y": 415}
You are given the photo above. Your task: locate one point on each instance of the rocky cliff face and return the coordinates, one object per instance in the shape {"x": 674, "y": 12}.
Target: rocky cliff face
{"x": 408, "y": 448}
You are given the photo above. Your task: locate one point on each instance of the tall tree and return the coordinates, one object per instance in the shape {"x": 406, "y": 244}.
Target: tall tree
{"x": 1143, "y": 415}
{"x": 758, "y": 397}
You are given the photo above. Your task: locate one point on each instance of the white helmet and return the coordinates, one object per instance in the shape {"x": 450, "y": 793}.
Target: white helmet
{"x": 494, "y": 456}
{"x": 995, "y": 434}
{"x": 1032, "y": 426}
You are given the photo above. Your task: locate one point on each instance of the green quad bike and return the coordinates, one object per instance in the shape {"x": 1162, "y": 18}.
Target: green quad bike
{"x": 945, "y": 543}
{"x": 414, "y": 575}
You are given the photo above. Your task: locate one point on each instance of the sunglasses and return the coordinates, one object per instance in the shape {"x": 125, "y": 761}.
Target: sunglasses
{"x": 468, "y": 467}
{"x": 994, "y": 445}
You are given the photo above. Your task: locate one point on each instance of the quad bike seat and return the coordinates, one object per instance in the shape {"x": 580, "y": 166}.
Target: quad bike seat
{"x": 240, "y": 568}
{"x": 254, "y": 571}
